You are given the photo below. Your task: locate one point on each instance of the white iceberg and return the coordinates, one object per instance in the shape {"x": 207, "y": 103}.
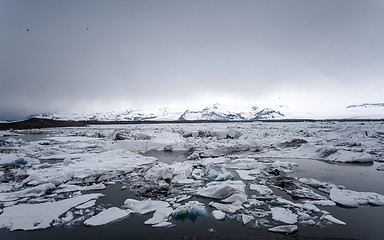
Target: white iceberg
{"x": 109, "y": 215}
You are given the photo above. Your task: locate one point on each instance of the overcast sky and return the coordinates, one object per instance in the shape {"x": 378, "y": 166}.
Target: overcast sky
{"x": 307, "y": 54}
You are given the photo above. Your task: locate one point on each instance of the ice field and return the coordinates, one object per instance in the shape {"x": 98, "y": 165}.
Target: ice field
{"x": 279, "y": 177}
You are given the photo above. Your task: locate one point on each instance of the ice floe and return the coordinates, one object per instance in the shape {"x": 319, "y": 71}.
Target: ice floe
{"x": 41, "y": 215}
{"x": 219, "y": 215}
{"x": 109, "y": 215}
{"x": 283, "y": 215}
{"x": 351, "y": 198}
{"x": 261, "y": 189}
{"x": 227, "y": 191}
{"x": 284, "y": 229}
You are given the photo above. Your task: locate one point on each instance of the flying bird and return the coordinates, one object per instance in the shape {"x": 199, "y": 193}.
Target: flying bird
{"x": 27, "y": 29}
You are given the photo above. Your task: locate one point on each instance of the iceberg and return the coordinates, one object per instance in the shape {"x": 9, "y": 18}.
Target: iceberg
{"x": 191, "y": 210}
{"x": 227, "y": 191}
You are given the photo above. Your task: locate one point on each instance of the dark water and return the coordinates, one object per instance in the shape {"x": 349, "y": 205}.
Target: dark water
{"x": 362, "y": 223}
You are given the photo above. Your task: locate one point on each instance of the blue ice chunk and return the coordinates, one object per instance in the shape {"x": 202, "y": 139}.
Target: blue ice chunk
{"x": 21, "y": 161}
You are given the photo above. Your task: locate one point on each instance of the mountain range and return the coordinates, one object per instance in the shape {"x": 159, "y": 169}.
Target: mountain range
{"x": 218, "y": 112}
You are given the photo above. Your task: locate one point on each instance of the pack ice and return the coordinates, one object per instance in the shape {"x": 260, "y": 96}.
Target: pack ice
{"x": 230, "y": 170}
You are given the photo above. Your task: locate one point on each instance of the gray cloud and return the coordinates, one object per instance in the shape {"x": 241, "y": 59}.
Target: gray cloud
{"x": 145, "y": 53}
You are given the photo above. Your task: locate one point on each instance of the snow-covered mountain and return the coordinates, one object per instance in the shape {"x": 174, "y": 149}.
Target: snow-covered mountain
{"x": 367, "y": 105}
{"x": 217, "y": 112}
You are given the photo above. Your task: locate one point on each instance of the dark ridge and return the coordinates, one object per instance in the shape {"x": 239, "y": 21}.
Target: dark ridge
{"x": 39, "y": 123}
{"x": 49, "y": 123}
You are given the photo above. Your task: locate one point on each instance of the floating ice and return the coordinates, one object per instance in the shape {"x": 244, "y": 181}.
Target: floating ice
{"x": 162, "y": 210}
{"x": 38, "y": 216}
{"x": 380, "y": 168}
{"x": 231, "y": 208}
{"x": 161, "y": 215}
{"x": 36, "y": 191}
{"x": 248, "y": 175}
{"x": 261, "y": 189}
{"x": 284, "y": 229}
{"x": 333, "y": 219}
{"x": 347, "y": 156}
{"x": 145, "y": 206}
{"x": 246, "y": 218}
{"x": 350, "y": 198}
{"x": 106, "y": 216}
{"x": 283, "y": 215}
{"x": 219, "y": 215}
{"x": 228, "y": 191}
{"x": 323, "y": 186}
{"x": 74, "y": 188}
{"x": 305, "y": 193}
{"x": 86, "y": 205}
{"x": 325, "y": 203}
{"x": 191, "y": 210}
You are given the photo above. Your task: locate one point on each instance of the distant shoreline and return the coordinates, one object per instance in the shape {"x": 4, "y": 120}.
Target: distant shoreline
{"x": 49, "y": 123}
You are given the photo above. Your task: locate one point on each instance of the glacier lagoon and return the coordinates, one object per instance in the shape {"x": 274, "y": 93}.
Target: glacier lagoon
{"x": 151, "y": 162}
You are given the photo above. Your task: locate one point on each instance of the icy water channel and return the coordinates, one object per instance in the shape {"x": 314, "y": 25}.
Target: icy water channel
{"x": 364, "y": 222}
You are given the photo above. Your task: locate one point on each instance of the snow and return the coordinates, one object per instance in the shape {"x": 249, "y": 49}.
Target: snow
{"x": 283, "y": 215}
{"x": 349, "y": 198}
{"x": 109, "y": 215}
{"x": 39, "y": 216}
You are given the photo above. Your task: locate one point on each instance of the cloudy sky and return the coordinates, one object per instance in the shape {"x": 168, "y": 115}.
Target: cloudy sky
{"x": 78, "y": 54}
